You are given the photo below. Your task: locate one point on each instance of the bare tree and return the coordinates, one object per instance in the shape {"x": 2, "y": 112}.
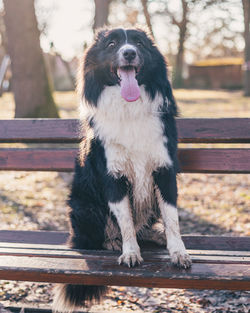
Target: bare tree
{"x": 183, "y": 20}
{"x": 147, "y": 15}
{"x": 101, "y": 13}
{"x": 33, "y": 96}
{"x": 246, "y": 12}
{"x": 182, "y": 26}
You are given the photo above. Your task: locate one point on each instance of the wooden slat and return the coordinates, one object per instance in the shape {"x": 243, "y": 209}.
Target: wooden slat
{"x": 228, "y": 130}
{"x": 153, "y": 255}
{"x": 203, "y": 130}
{"x": 224, "y": 243}
{"x": 211, "y": 269}
{"x": 36, "y": 237}
{"x": 39, "y": 130}
{"x": 108, "y": 272}
{"x": 214, "y": 160}
{"x": 61, "y": 160}
{"x": 8, "y": 248}
{"x": 15, "y": 308}
{"x": 191, "y": 160}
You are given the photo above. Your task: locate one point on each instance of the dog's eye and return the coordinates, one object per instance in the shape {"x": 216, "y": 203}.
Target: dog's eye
{"x": 139, "y": 43}
{"x": 111, "y": 44}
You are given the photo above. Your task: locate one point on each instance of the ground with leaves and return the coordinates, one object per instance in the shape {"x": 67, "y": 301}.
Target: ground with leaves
{"x": 208, "y": 204}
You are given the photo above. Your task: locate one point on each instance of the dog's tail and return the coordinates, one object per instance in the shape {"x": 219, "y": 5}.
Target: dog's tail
{"x": 70, "y": 297}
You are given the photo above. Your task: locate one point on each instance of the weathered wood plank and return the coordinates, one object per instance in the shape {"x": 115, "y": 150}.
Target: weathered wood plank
{"x": 230, "y": 130}
{"x": 61, "y": 160}
{"x": 15, "y": 308}
{"x": 108, "y": 272}
{"x": 7, "y": 248}
{"x": 224, "y": 243}
{"x": 40, "y": 130}
{"x": 35, "y": 237}
{"x": 191, "y": 160}
{"x": 216, "y": 130}
{"x": 212, "y": 257}
{"x": 45, "y": 238}
{"x": 214, "y": 160}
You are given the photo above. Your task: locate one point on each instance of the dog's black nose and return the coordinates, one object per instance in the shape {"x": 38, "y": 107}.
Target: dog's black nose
{"x": 129, "y": 54}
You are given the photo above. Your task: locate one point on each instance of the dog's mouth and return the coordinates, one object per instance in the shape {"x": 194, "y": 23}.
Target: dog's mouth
{"x": 130, "y": 90}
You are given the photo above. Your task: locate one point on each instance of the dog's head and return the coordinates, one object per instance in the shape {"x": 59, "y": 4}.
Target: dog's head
{"x": 125, "y": 57}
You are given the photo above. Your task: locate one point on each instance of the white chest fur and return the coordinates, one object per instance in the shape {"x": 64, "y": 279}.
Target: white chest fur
{"x": 132, "y": 134}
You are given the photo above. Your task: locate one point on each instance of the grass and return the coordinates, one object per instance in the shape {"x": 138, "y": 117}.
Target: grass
{"x": 211, "y": 103}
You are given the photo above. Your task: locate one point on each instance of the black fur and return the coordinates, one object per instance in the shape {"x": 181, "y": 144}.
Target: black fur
{"x": 92, "y": 186}
{"x": 80, "y": 295}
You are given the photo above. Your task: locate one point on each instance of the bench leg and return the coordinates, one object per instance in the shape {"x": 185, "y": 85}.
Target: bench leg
{"x": 166, "y": 193}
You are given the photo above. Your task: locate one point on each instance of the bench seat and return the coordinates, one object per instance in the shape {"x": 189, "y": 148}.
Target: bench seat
{"x": 42, "y": 257}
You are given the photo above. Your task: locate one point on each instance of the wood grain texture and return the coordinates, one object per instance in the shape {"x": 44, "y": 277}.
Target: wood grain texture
{"x": 54, "y": 262}
{"x": 153, "y": 255}
{"x": 223, "y": 243}
{"x": 214, "y": 160}
{"x": 36, "y": 237}
{"x": 202, "y": 130}
{"x": 191, "y": 160}
{"x": 108, "y": 272}
{"x": 61, "y": 160}
{"x": 39, "y": 130}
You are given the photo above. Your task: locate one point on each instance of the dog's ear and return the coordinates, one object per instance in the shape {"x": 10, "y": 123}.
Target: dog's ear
{"x": 100, "y": 33}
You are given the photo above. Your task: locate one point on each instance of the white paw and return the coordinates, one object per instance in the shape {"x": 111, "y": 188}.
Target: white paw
{"x": 181, "y": 259}
{"x": 130, "y": 258}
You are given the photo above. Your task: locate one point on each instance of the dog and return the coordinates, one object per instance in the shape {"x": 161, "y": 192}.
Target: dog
{"x": 124, "y": 188}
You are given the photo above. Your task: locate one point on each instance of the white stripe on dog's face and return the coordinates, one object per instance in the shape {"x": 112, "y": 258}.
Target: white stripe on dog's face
{"x": 126, "y": 35}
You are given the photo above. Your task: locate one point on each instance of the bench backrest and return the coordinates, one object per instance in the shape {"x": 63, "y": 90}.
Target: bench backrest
{"x": 65, "y": 132}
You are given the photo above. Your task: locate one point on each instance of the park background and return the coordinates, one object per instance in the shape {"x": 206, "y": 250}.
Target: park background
{"x": 207, "y": 45}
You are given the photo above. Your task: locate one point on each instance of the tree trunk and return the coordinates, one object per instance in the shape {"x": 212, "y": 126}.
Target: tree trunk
{"x": 147, "y": 16}
{"x": 30, "y": 83}
{"x": 101, "y": 13}
{"x": 246, "y": 11}
{"x": 182, "y": 25}
{"x": 178, "y": 78}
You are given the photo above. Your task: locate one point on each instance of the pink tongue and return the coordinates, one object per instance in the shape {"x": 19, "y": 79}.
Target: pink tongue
{"x": 130, "y": 90}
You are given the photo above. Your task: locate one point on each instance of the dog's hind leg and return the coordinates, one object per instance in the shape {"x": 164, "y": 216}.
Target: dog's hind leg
{"x": 154, "y": 233}
{"x": 166, "y": 193}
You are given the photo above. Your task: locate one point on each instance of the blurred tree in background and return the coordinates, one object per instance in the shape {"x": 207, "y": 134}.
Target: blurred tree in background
{"x": 246, "y": 12}
{"x": 101, "y": 13}
{"x": 33, "y": 96}
{"x": 147, "y": 16}
{"x": 185, "y": 30}
{"x": 187, "y": 19}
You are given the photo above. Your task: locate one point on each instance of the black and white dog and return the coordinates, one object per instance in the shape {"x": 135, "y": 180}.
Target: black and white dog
{"x": 124, "y": 189}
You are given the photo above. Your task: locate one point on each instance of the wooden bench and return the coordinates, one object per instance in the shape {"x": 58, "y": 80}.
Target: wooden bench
{"x": 218, "y": 262}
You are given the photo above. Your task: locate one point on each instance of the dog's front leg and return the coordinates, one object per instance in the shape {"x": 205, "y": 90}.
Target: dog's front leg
{"x": 166, "y": 193}
{"x": 130, "y": 248}
{"x": 119, "y": 205}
